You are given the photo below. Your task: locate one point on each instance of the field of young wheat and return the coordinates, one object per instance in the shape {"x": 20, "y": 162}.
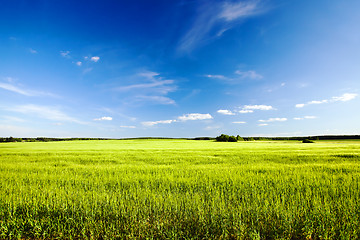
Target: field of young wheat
{"x": 180, "y": 189}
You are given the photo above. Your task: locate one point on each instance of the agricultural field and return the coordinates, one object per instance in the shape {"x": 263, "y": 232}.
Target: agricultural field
{"x": 180, "y": 189}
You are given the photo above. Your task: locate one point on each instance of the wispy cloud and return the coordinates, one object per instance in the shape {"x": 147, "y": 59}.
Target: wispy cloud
{"x": 103, "y": 119}
{"x": 195, "y": 116}
{"x": 151, "y": 87}
{"x": 154, "y": 84}
{"x": 79, "y": 63}
{"x": 156, "y": 99}
{"x": 12, "y": 119}
{"x": 221, "y": 77}
{"x": 149, "y": 74}
{"x": 240, "y": 122}
{"x": 273, "y": 120}
{"x": 225, "y": 112}
{"x": 238, "y": 76}
{"x": 22, "y": 91}
{"x": 305, "y": 117}
{"x": 263, "y": 124}
{"x": 46, "y": 112}
{"x": 232, "y": 11}
{"x": 343, "y": 98}
{"x": 214, "y": 18}
{"x": 251, "y": 74}
{"x": 33, "y": 51}
{"x": 65, "y": 54}
{"x": 127, "y": 126}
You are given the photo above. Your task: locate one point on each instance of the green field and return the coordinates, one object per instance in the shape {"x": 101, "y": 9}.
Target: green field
{"x": 180, "y": 189}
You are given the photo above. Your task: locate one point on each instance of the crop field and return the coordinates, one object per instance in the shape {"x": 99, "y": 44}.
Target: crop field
{"x": 180, "y": 189}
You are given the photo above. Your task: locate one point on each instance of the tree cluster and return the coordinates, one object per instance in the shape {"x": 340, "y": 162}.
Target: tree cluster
{"x": 227, "y": 138}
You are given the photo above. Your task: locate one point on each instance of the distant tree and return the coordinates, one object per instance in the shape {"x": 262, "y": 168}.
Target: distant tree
{"x": 222, "y": 138}
{"x": 232, "y": 139}
{"x": 307, "y": 141}
{"x": 239, "y": 138}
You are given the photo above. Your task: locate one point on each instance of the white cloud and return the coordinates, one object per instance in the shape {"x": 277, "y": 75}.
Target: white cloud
{"x": 149, "y": 124}
{"x": 343, "y": 98}
{"x": 215, "y": 18}
{"x": 306, "y": 117}
{"x": 95, "y": 59}
{"x": 263, "y": 124}
{"x": 249, "y": 74}
{"x": 65, "y": 54}
{"x": 103, "y": 119}
{"x": 258, "y": 107}
{"x": 127, "y": 126}
{"x": 274, "y": 120}
{"x": 195, "y": 116}
{"x": 46, "y": 112}
{"x": 78, "y": 63}
{"x": 33, "y": 51}
{"x": 241, "y": 122}
{"x": 318, "y": 102}
{"x": 225, "y": 112}
{"x": 25, "y": 92}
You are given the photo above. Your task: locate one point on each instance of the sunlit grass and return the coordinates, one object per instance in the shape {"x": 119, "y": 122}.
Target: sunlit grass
{"x": 180, "y": 189}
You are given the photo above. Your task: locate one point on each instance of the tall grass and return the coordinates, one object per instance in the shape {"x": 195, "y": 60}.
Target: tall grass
{"x": 179, "y": 189}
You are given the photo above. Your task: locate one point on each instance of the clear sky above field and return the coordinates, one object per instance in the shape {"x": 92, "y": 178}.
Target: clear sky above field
{"x": 179, "y": 68}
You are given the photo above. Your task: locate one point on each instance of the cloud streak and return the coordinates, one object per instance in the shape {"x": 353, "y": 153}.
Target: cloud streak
{"x": 151, "y": 88}
{"x": 273, "y": 120}
{"x": 305, "y": 117}
{"x": 343, "y": 98}
{"x": 183, "y": 118}
{"x": 239, "y": 76}
{"x": 25, "y": 92}
{"x": 215, "y": 18}
{"x": 46, "y": 112}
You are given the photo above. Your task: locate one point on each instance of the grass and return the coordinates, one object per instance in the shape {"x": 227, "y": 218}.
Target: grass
{"x": 180, "y": 189}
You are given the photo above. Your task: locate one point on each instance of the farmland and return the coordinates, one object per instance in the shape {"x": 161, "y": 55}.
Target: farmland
{"x": 180, "y": 189}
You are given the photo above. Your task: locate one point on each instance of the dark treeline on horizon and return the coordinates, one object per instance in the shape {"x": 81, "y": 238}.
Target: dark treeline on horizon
{"x": 48, "y": 139}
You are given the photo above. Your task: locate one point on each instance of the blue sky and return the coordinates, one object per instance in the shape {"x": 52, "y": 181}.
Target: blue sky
{"x": 179, "y": 68}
